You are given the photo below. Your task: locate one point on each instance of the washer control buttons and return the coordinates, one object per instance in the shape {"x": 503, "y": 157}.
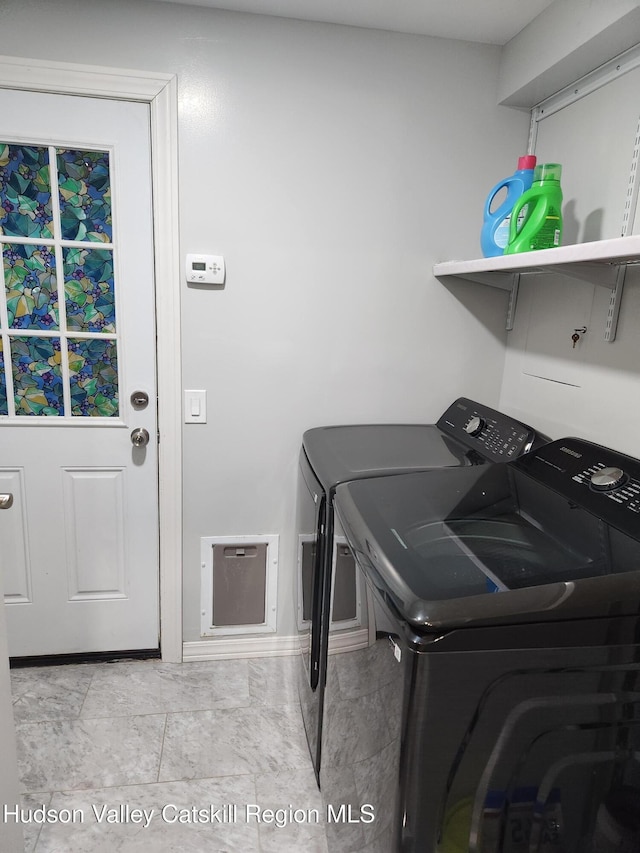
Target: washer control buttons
{"x": 499, "y": 439}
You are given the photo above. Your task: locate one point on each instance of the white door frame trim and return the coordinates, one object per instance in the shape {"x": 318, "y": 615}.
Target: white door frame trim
{"x": 160, "y": 91}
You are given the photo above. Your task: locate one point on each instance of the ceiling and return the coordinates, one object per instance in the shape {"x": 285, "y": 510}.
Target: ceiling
{"x": 489, "y": 21}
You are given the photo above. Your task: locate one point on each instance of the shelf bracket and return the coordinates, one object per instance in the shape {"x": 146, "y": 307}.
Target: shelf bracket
{"x": 513, "y": 301}
{"x": 502, "y": 281}
{"x": 613, "y": 313}
{"x": 604, "y": 275}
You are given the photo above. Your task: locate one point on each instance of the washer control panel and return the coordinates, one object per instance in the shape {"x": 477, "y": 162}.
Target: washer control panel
{"x": 614, "y": 482}
{"x": 597, "y": 478}
{"x": 493, "y": 434}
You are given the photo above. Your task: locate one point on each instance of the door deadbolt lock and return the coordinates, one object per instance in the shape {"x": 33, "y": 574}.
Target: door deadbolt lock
{"x": 139, "y": 400}
{"x": 140, "y": 437}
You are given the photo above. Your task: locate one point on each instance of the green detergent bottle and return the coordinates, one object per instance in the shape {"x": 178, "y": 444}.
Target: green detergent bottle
{"x": 542, "y": 226}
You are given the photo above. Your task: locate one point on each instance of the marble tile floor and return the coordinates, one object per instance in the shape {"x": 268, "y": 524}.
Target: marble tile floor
{"x": 148, "y": 757}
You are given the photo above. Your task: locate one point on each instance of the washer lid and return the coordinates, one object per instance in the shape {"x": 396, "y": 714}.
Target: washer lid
{"x": 485, "y": 545}
{"x": 341, "y": 453}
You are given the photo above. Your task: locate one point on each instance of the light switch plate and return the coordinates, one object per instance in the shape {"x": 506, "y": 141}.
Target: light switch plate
{"x": 195, "y": 407}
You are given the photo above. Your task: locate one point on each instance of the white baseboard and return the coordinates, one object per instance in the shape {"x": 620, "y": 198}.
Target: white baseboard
{"x": 266, "y": 647}
{"x": 348, "y": 641}
{"x": 240, "y": 647}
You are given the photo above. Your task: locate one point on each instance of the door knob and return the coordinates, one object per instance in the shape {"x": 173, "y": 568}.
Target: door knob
{"x": 6, "y": 501}
{"x": 140, "y": 437}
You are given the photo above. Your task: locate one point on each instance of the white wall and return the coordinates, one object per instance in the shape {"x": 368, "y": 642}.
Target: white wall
{"x": 11, "y": 835}
{"x": 590, "y": 390}
{"x": 602, "y": 402}
{"x": 332, "y": 166}
{"x": 566, "y": 41}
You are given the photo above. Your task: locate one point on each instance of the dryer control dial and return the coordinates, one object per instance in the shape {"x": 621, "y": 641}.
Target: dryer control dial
{"x": 607, "y": 479}
{"x": 475, "y": 425}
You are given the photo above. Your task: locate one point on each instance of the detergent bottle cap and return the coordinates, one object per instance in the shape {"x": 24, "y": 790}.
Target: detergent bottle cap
{"x": 527, "y": 162}
{"x": 547, "y": 172}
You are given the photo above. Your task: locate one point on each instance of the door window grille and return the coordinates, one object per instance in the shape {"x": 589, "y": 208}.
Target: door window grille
{"x": 59, "y": 342}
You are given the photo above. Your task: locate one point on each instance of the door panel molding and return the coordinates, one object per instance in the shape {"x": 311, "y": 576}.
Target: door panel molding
{"x": 159, "y": 90}
{"x": 95, "y": 570}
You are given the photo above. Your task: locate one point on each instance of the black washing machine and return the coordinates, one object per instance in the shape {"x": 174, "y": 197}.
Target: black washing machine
{"x": 329, "y": 603}
{"x": 496, "y": 707}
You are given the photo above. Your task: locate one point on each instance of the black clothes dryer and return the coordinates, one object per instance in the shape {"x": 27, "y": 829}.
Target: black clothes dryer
{"x": 468, "y": 434}
{"x": 496, "y": 707}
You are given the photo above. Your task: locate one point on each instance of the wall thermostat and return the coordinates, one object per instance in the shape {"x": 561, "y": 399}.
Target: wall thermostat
{"x": 205, "y": 269}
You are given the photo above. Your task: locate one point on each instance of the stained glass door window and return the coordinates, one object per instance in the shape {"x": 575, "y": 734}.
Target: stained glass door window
{"x": 58, "y": 343}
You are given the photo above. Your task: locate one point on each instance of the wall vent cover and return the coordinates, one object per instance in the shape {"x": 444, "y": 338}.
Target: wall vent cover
{"x": 238, "y": 584}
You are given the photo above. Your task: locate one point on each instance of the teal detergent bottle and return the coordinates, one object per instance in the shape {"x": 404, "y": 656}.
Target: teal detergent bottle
{"x": 495, "y": 229}
{"x": 542, "y": 225}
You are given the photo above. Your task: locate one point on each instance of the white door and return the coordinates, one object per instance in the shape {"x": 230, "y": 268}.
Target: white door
{"x": 79, "y": 546}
